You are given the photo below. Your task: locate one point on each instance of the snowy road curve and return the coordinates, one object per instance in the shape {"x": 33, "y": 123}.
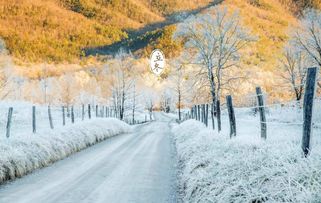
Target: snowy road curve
{"x": 130, "y": 168}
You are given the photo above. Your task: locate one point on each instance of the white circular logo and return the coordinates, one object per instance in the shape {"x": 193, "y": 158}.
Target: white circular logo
{"x": 157, "y": 62}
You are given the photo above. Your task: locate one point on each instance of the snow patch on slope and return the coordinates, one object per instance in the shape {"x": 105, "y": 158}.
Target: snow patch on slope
{"x": 24, "y": 153}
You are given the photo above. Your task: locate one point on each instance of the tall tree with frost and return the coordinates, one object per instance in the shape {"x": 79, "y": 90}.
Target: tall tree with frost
{"x": 5, "y": 71}
{"x": 216, "y": 37}
{"x": 294, "y": 65}
{"x": 122, "y": 82}
{"x": 179, "y": 81}
{"x": 308, "y": 35}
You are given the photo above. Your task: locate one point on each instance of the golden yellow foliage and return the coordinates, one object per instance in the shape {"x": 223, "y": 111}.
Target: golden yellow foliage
{"x": 59, "y": 30}
{"x": 269, "y": 21}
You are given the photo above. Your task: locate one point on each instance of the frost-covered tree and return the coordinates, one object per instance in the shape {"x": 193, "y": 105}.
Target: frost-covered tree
{"x": 294, "y": 64}
{"x": 216, "y": 38}
{"x": 166, "y": 100}
{"x": 5, "y": 71}
{"x": 67, "y": 87}
{"x": 121, "y": 70}
{"x": 308, "y": 35}
{"x": 150, "y": 99}
{"x": 179, "y": 79}
{"x": 19, "y": 82}
{"x": 43, "y": 81}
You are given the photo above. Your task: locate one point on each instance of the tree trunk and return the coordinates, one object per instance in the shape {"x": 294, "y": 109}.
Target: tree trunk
{"x": 214, "y": 98}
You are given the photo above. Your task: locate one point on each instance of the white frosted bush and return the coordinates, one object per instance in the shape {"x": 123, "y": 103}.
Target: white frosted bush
{"x": 23, "y": 153}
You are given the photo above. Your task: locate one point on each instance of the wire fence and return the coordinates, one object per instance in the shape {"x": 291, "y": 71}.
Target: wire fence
{"x": 254, "y": 109}
{"x": 21, "y": 118}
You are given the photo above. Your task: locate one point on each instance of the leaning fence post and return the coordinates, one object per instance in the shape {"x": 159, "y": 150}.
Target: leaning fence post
{"x": 308, "y": 109}
{"x": 9, "y": 122}
{"x": 50, "y": 118}
{"x": 72, "y": 114}
{"x": 231, "y": 115}
{"x": 89, "y": 111}
{"x": 262, "y": 112}
{"x": 34, "y": 119}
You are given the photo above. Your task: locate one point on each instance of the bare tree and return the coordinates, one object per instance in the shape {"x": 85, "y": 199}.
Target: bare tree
{"x": 68, "y": 88}
{"x": 150, "y": 99}
{"x": 166, "y": 101}
{"x": 294, "y": 66}
{"x": 122, "y": 83}
{"x": 150, "y": 104}
{"x": 308, "y": 35}
{"x": 43, "y": 81}
{"x": 216, "y": 37}
{"x": 179, "y": 79}
{"x": 5, "y": 72}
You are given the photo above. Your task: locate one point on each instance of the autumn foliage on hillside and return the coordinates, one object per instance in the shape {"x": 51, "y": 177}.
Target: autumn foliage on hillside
{"x": 60, "y": 30}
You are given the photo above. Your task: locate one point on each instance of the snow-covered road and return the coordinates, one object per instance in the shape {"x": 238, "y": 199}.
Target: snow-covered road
{"x": 136, "y": 168}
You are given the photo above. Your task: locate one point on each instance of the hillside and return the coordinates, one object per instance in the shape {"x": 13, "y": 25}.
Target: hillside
{"x": 68, "y": 30}
{"x": 59, "y": 30}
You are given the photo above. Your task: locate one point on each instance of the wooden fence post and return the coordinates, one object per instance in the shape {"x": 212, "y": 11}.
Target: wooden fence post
{"x": 206, "y": 115}
{"x": 63, "y": 116}
{"x": 202, "y": 113}
{"x": 231, "y": 115}
{"x": 103, "y": 111}
{"x": 83, "y": 112}
{"x": 50, "y": 117}
{"x": 261, "y": 107}
{"x": 89, "y": 111}
{"x": 198, "y": 112}
{"x": 9, "y": 122}
{"x": 72, "y": 115}
{"x": 218, "y": 114}
{"x": 212, "y": 115}
{"x": 193, "y": 112}
{"x": 96, "y": 111}
{"x": 308, "y": 109}
{"x": 34, "y": 119}
{"x": 68, "y": 111}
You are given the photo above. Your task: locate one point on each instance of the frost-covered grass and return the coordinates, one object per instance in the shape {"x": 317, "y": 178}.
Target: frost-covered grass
{"x": 25, "y": 152}
{"x": 215, "y": 168}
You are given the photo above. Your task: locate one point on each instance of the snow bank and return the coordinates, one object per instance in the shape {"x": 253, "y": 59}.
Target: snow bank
{"x": 215, "y": 168}
{"x": 24, "y": 153}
